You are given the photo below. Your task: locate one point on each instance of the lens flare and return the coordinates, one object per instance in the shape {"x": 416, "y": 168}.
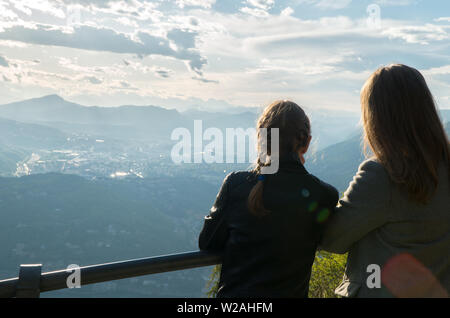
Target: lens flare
{"x": 305, "y": 193}
{"x": 313, "y": 206}
{"x": 323, "y": 215}
{"x": 405, "y": 277}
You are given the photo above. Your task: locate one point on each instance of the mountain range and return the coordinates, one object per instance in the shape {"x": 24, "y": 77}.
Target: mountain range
{"x": 157, "y": 123}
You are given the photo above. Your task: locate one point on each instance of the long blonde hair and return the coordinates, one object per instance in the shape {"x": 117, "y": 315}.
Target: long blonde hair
{"x": 403, "y": 129}
{"x": 294, "y": 131}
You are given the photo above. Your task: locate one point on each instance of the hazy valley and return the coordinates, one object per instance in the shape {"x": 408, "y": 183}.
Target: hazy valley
{"x": 85, "y": 185}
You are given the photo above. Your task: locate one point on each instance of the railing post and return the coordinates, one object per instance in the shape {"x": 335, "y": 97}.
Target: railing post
{"x": 28, "y": 285}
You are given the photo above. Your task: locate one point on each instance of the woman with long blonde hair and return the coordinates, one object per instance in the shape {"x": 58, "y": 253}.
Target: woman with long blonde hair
{"x": 268, "y": 226}
{"x": 394, "y": 219}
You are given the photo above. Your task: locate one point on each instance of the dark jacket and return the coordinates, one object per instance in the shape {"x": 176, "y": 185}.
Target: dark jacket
{"x": 268, "y": 256}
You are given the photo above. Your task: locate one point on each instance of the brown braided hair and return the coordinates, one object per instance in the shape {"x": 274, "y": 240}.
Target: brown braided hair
{"x": 294, "y": 132}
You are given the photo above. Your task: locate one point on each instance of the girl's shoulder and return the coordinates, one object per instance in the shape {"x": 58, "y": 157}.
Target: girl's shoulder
{"x": 235, "y": 178}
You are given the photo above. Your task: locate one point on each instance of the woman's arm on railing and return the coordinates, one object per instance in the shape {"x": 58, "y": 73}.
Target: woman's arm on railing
{"x": 363, "y": 208}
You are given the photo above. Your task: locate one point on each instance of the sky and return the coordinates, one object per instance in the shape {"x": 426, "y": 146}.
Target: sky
{"x": 216, "y": 54}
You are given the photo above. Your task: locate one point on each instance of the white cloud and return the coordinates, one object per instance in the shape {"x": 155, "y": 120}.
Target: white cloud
{"x": 11, "y": 44}
{"x": 140, "y": 10}
{"x": 287, "y": 11}
{"x": 395, "y": 2}
{"x": 442, "y": 70}
{"x": 127, "y": 22}
{"x": 141, "y": 43}
{"x": 162, "y": 72}
{"x": 422, "y": 34}
{"x": 256, "y": 12}
{"x": 93, "y": 80}
{"x": 327, "y": 4}
{"x": 261, "y": 4}
{"x": 333, "y": 4}
{"x": 6, "y": 13}
{"x": 258, "y": 8}
{"x": 138, "y": 49}
{"x": 93, "y": 71}
{"x": 3, "y": 62}
{"x": 45, "y": 6}
{"x": 445, "y": 19}
{"x": 195, "y": 3}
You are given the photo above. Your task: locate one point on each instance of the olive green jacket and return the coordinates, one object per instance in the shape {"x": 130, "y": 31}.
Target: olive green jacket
{"x": 376, "y": 223}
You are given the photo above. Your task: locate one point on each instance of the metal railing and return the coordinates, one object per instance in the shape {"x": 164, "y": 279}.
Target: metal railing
{"x": 31, "y": 282}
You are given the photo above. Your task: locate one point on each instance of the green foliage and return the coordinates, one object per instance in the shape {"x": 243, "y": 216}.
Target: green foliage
{"x": 327, "y": 272}
{"x": 213, "y": 284}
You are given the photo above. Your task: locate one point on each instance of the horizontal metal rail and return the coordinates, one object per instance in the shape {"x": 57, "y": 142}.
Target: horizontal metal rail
{"x": 112, "y": 271}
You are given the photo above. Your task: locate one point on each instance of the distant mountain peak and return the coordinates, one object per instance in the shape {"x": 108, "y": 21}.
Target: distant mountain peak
{"x": 52, "y": 97}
